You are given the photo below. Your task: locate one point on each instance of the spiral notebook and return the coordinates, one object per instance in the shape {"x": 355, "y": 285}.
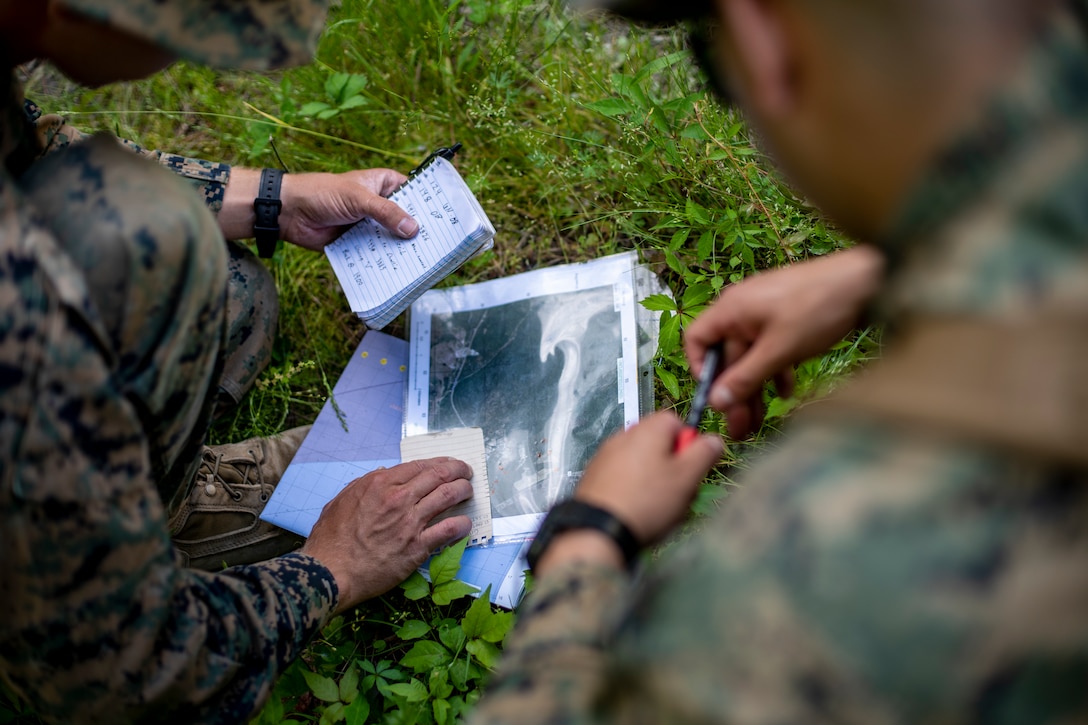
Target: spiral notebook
{"x": 382, "y": 274}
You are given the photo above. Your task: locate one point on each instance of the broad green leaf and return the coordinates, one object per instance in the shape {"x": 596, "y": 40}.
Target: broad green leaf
{"x": 659, "y": 302}
{"x": 696, "y": 213}
{"x": 747, "y": 255}
{"x": 669, "y": 380}
{"x": 341, "y": 86}
{"x": 313, "y": 108}
{"x": 669, "y": 337}
{"x": 356, "y": 83}
{"x": 611, "y": 107}
{"x": 324, "y": 688}
{"x": 485, "y": 652}
{"x": 680, "y": 108}
{"x": 415, "y": 587}
{"x": 352, "y": 102}
{"x": 334, "y": 86}
{"x": 481, "y": 621}
{"x": 451, "y": 634}
{"x": 696, "y": 132}
{"x": 464, "y": 672}
{"x": 349, "y": 684}
{"x": 449, "y": 591}
{"x": 679, "y": 238}
{"x": 413, "y": 629}
{"x": 661, "y": 123}
{"x": 462, "y": 705}
{"x": 439, "y": 684}
{"x": 425, "y": 655}
{"x": 443, "y": 713}
{"x": 329, "y": 113}
{"x": 704, "y": 248}
{"x": 333, "y": 713}
{"x": 659, "y": 64}
{"x": 779, "y": 407}
{"x": 444, "y": 564}
{"x": 696, "y": 294}
{"x": 412, "y": 691}
{"x": 357, "y": 712}
{"x": 675, "y": 264}
{"x": 629, "y": 87}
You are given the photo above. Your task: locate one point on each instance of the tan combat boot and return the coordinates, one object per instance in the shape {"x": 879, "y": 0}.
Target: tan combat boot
{"x": 217, "y": 525}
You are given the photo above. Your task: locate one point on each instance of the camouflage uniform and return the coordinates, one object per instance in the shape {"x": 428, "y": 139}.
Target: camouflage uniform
{"x": 888, "y": 562}
{"x": 115, "y": 332}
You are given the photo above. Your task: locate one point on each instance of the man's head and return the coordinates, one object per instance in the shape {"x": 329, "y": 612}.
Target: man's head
{"x": 853, "y": 98}
{"x": 99, "y": 41}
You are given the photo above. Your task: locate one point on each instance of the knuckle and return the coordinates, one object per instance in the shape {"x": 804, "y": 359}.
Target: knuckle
{"x": 448, "y": 495}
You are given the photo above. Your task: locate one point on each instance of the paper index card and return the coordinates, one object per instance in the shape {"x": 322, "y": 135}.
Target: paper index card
{"x": 466, "y": 444}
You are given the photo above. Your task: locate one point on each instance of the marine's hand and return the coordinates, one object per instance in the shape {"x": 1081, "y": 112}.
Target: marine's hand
{"x": 773, "y": 320}
{"x": 375, "y": 533}
{"x": 638, "y": 478}
{"x": 318, "y": 207}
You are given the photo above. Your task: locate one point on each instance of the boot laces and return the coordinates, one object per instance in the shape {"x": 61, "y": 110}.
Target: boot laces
{"x": 214, "y": 459}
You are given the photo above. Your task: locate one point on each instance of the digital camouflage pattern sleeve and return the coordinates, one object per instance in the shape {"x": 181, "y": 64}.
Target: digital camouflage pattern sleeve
{"x": 209, "y": 178}
{"x": 866, "y": 574}
{"x": 98, "y": 622}
{"x": 882, "y": 566}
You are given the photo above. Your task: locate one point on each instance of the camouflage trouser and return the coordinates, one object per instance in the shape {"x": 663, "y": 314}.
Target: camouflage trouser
{"x": 189, "y": 319}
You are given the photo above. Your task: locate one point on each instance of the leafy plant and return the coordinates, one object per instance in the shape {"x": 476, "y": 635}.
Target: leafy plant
{"x": 342, "y": 92}
{"x": 425, "y": 664}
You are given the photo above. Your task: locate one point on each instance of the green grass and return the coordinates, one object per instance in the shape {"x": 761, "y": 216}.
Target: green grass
{"x": 583, "y": 137}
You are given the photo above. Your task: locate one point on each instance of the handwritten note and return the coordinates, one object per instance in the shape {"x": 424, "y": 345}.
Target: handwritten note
{"x": 380, "y": 272}
{"x": 467, "y": 444}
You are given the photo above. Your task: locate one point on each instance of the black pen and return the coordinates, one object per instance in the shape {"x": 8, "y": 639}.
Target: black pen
{"x": 698, "y": 406}
{"x": 445, "y": 152}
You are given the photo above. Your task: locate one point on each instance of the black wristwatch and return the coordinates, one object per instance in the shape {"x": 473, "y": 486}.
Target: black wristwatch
{"x": 574, "y": 514}
{"x": 266, "y": 207}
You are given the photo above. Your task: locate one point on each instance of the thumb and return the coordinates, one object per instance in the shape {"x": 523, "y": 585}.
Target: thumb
{"x": 391, "y": 216}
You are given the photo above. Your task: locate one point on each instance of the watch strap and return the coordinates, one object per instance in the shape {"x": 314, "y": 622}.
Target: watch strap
{"x": 574, "y": 514}
{"x": 266, "y": 208}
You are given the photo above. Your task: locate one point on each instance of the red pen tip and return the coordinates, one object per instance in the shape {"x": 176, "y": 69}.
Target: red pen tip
{"x": 685, "y": 438}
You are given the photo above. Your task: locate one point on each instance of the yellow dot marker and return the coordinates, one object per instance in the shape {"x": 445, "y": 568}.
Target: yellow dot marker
{"x": 384, "y": 361}
{"x": 366, "y": 354}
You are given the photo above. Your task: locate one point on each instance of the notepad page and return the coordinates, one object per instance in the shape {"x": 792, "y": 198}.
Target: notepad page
{"x": 375, "y": 267}
{"x": 466, "y": 444}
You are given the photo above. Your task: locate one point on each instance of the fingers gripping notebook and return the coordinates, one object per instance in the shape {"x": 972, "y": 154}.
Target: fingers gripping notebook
{"x": 381, "y": 274}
